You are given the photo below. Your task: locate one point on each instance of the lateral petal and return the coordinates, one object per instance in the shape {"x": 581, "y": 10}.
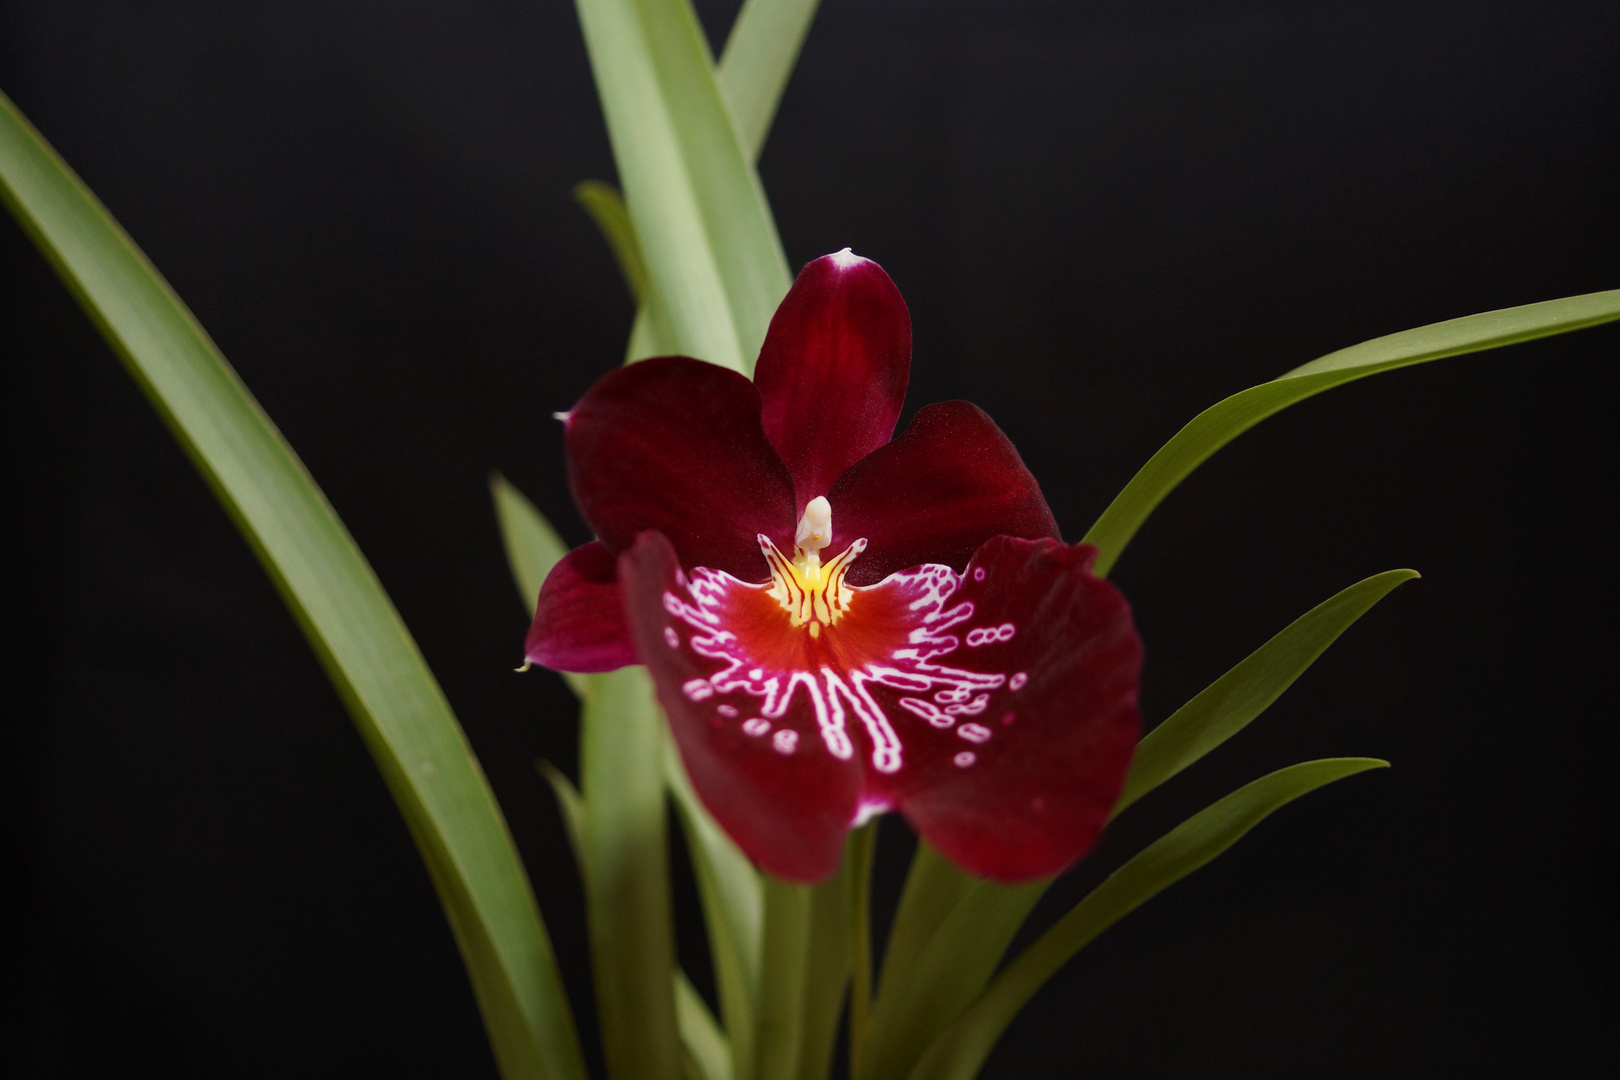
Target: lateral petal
{"x": 936, "y": 493}
{"x": 833, "y": 370}
{"x": 675, "y": 444}
{"x": 579, "y": 622}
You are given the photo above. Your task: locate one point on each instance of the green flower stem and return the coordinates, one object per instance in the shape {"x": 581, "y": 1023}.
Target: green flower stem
{"x": 627, "y": 876}
{"x": 780, "y": 1026}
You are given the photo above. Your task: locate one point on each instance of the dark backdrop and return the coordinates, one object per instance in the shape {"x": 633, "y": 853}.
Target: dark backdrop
{"x": 1104, "y": 216}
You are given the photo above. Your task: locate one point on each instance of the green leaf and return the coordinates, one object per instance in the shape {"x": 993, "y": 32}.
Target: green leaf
{"x": 961, "y": 1050}
{"x": 1230, "y": 702}
{"x": 714, "y": 262}
{"x": 706, "y": 1046}
{"x": 733, "y": 908}
{"x": 934, "y": 886}
{"x": 606, "y": 207}
{"x": 532, "y": 549}
{"x": 572, "y": 807}
{"x": 779, "y": 1030}
{"x": 758, "y": 59}
{"x": 1225, "y": 420}
{"x": 332, "y": 592}
{"x": 532, "y": 545}
{"x": 827, "y": 967}
{"x": 949, "y": 973}
{"x": 627, "y": 875}
{"x": 863, "y": 848}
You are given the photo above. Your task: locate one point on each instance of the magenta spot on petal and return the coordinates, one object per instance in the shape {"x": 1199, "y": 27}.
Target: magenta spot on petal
{"x": 967, "y": 757}
{"x": 672, "y": 637}
{"x": 977, "y": 733}
{"x": 978, "y": 573}
{"x": 1007, "y": 721}
{"x": 728, "y": 711}
{"x": 1017, "y": 682}
{"x": 785, "y": 741}
{"x": 757, "y": 726}
{"x": 698, "y": 689}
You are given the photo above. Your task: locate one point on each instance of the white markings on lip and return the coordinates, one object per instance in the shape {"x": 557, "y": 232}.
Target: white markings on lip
{"x": 671, "y": 638}
{"x": 927, "y": 710}
{"x": 965, "y": 758}
{"x": 1017, "y": 681}
{"x": 727, "y": 711}
{"x": 910, "y": 665}
{"x": 990, "y": 635}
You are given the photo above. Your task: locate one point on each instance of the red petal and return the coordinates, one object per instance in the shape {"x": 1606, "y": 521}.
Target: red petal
{"x": 950, "y": 483}
{"x": 995, "y": 708}
{"x": 781, "y": 796}
{"x": 675, "y": 444}
{"x": 833, "y": 369}
{"x": 579, "y": 622}
{"x": 1019, "y": 782}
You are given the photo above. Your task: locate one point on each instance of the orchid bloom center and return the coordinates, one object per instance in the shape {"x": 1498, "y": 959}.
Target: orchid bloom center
{"x": 812, "y": 593}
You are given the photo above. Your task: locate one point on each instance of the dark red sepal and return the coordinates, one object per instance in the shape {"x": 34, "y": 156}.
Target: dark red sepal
{"x": 675, "y": 444}
{"x": 787, "y": 811}
{"x": 1051, "y": 746}
{"x": 947, "y": 485}
{"x": 833, "y": 370}
{"x": 579, "y": 622}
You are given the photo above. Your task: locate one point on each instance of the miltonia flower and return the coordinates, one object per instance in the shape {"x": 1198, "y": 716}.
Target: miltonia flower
{"x": 839, "y": 624}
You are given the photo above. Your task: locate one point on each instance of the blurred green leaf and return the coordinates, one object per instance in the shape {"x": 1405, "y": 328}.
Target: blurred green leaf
{"x": 532, "y": 545}
{"x": 332, "y": 592}
{"x": 934, "y": 886}
{"x": 733, "y": 907}
{"x": 863, "y": 845}
{"x": 705, "y": 1044}
{"x": 760, "y": 52}
{"x": 714, "y": 263}
{"x": 961, "y": 1050}
{"x": 948, "y": 974}
{"x": 779, "y": 1024}
{"x": 1225, "y": 420}
{"x": 572, "y": 807}
{"x": 627, "y": 875}
{"x": 532, "y": 549}
{"x": 606, "y": 207}
{"x": 827, "y": 964}
{"x": 1229, "y": 703}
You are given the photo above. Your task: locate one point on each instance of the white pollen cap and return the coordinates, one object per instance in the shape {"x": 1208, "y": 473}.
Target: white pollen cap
{"x": 815, "y": 528}
{"x": 845, "y": 259}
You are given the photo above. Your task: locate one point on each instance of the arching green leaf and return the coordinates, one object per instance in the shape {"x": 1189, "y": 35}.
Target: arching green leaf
{"x": 332, "y": 592}
{"x": 1226, "y": 420}
{"x": 961, "y": 1050}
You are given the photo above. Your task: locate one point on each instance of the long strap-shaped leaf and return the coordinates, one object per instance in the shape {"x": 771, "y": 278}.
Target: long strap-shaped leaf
{"x": 1226, "y": 420}
{"x": 348, "y": 619}
{"x": 1228, "y": 704}
{"x": 714, "y": 261}
{"x": 754, "y": 67}
{"x": 728, "y": 885}
{"x": 958, "y": 1054}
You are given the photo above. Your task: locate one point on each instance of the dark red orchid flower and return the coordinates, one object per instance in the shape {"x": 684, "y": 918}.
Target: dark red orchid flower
{"x": 952, "y": 658}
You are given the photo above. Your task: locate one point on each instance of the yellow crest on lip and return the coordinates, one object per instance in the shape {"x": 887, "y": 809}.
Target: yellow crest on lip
{"x": 812, "y": 593}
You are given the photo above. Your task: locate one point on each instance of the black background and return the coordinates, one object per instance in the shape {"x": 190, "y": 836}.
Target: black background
{"x": 1104, "y": 216}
